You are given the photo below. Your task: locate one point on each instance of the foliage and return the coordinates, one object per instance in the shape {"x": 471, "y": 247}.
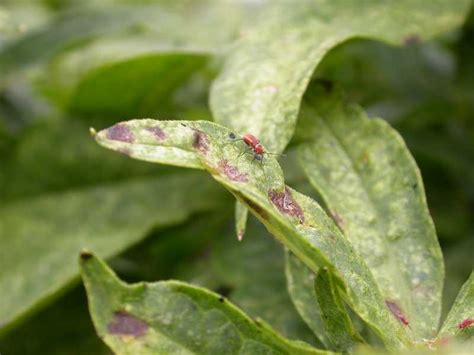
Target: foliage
{"x": 357, "y": 264}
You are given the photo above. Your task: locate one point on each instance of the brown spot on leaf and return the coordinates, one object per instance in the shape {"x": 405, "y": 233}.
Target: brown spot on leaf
{"x": 85, "y": 255}
{"x": 411, "y": 40}
{"x": 466, "y": 323}
{"x": 232, "y": 172}
{"x": 120, "y": 132}
{"x": 396, "y": 311}
{"x": 200, "y": 141}
{"x": 157, "y": 132}
{"x": 124, "y": 323}
{"x": 286, "y": 204}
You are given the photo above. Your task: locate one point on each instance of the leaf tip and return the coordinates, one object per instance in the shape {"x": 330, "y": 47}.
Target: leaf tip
{"x": 92, "y": 132}
{"x": 85, "y": 255}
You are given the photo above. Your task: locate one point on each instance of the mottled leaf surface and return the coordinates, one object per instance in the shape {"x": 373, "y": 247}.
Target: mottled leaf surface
{"x": 251, "y": 275}
{"x": 173, "y": 317}
{"x": 42, "y": 235}
{"x": 296, "y": 220}
{"x": 264, "y": 78}
{"x": 336, "y": 320}
{"x": 300, "y": 283}
{"x": 460, "y": 320}
{"x": 373, "y": 188}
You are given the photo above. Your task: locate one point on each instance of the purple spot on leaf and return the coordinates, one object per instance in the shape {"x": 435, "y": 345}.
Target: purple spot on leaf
{"x": 397, "y": 312}
{"x": 200, "y": 141}
{"x": 231, "y": 171}
{"x": 157, "y": 132}
{"x": 120, "y": 132}
{"x": 466, "y": 323}
{"x": 124, "y": 323}
{"x": 286, "y": 204}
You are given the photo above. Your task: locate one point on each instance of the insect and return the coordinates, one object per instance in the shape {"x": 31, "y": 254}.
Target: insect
{"x": 254, "y": 145}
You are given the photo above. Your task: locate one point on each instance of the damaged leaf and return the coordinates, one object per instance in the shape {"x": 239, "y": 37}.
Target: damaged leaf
{"x": 264, "y": 77}
{"x": 373, "y": 189}
{"x": 294, "y": 219}
{"x": 171, "y": 317}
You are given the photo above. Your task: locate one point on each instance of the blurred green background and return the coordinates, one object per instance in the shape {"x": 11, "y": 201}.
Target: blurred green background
{"x": 67, "y": 65}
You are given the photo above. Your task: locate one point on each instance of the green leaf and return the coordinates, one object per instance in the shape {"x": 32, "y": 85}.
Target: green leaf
{"x": 149, "y": 140}
{"x": 336, "y": 321}
{"x": 124, "y": 87}
{"x": 251, "y": 275}
{"x": 175, "y": 26}
{"x": 264, "y": 77}
{"x": 173, "y": 317}
{"x": 102, "y": 91}
{"x": 241, "y": 213}
{"x": 458, "y": 262}
{"x": 373, "y": 188}
{"x": 460, "y": 320}
{"x": 41, "y": 235}
{"x": 300, "y": 283}
{"x": 294, "y": 219}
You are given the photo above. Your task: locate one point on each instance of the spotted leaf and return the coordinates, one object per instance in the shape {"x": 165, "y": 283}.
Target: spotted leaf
{"x": 172, "y": 317}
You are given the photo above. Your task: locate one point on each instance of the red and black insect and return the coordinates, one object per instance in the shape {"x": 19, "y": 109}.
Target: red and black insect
{"x": 254, "y": 145}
